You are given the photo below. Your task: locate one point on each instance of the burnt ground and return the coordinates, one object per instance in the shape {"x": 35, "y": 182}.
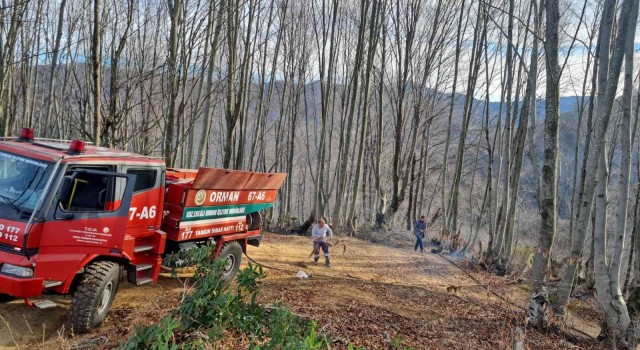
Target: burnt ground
{"x": 373, "y": 296}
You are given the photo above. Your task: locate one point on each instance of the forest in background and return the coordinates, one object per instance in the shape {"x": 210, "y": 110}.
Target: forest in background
{"x": 375, "y": 109}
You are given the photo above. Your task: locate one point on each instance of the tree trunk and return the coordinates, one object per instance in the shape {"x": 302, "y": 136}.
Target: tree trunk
{"x": 476, "y": 59}
{"x": 244, "y": 87}
{"x": 608, "y": 76}
{"x": 203, "y": 150}
{"x": 519, "y": 143}
{"x": 113, "y": 119}
{"x": 607, "y": 274}
{"x": 632, "y": 251}
{"x": 7, "y": 51}
{"x": 353, "y": 90}
{"x": 96, "y": 58}
{"x": 547, "y": 187}
{"x": 634, "y": 284}
{"x": 445, "y": 161}
{"x": 381, "y": 204}
{"x": 374, "y": 33}
{"x": 616, "y": 316}
{"x": 505, "y": 157}
{"x": 326, "y": 82}
{"x": 175, "y": 10}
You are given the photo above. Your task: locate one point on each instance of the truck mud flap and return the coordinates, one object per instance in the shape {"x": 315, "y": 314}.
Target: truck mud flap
{"x": 254, "y": 241}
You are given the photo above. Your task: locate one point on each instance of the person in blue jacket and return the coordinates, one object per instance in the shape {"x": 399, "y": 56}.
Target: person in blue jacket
{"x": 419, "y": 228}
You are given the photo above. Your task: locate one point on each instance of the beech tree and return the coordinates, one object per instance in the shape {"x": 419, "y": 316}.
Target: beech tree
{"x": 547, "y": 185}
{"x": 610, "y": 59}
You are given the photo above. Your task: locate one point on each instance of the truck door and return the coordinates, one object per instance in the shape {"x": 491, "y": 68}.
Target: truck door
{"x": 145, "y": 213}
{"x": 91, "y": 211}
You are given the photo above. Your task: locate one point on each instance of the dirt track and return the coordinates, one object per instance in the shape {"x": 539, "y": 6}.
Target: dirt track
{"x": 373, "y": 296}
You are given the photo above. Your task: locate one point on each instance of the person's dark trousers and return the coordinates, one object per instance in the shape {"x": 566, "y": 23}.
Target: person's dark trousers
{"x": 325, "y": 249}
{"x": 419, "y": 244}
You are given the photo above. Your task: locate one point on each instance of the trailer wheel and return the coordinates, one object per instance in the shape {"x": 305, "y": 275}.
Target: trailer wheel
{"x": 5, "y": 298}
{"x": 231, "y": 254}
{"x": 254, "y": 221}
{"x": 94, "y": 295}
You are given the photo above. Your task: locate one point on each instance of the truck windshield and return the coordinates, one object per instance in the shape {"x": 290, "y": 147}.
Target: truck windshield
{"x": 22, "y": 184}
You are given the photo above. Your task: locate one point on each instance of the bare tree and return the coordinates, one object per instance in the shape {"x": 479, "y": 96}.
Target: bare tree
{"x": 211, "y": 51}
{"x": 96, "y": 64}
{"x": 7, "y": 51}
{"x": 116, "y": 113}
{"x": 459, "y": 33}
{"x": 353, "y": 91}
{"x": 610, "y": 62}
{"x": 547, "y": 187}
{"x": 175, "y": 14}
{"x": 326, "y": 34}
{"x": 374, "y": 33}
{"x": 474, "y": 72}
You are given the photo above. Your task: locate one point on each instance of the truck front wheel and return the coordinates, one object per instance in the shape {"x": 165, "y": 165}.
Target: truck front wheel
{"x": 231, "y": 255}
{"x": 94, "y": 295}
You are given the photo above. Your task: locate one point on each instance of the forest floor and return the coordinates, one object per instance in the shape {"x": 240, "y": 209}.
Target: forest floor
{"x": 374, "y": 296}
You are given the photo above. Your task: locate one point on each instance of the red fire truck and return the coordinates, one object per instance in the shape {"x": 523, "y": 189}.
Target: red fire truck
{"x": 74, "y": 217}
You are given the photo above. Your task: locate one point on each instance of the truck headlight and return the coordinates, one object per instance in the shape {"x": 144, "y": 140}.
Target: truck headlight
{"x": 17, "y": 270}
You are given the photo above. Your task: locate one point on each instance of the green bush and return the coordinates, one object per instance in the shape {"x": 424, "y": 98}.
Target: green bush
{"x": 213, "y": 308}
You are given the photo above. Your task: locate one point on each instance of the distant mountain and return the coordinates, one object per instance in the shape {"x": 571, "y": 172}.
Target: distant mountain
{"x": 568, "y": 105}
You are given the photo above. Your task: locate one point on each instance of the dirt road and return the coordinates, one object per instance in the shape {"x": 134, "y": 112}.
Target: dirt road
{"x": 374, "y": 296}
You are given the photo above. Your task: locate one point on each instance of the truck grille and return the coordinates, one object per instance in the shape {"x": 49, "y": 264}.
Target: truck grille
{"x": 10, "y": 249}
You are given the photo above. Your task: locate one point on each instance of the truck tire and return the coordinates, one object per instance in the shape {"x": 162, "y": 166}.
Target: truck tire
{"x": 254, "y": 221}
{"x": 231, "y": 254}
{"x": 94, "y": 295}
{"x": 5, "y": 298}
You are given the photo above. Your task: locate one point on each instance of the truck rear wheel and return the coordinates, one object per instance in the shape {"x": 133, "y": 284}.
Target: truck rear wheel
{"x": 231, "y": 254}
{"x": 94, "y": 295}
{"x": 254, "y": 221}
